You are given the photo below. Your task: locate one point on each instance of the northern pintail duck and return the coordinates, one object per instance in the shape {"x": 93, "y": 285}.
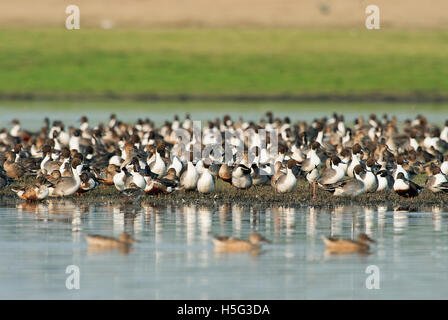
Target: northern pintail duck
{"x": 106, "y": 176}
{"x": 345, "y": 246}
{"x": 385, "y": 180}
{"x": 259, "y": 177}
{"x": 53, "y": 177}
{"x": 356, "y": 159}
{"x": 206, "y": 182}
{"x": 287, "y": 182}
{"x": 230, "y": 244}
{"x": 189, "y": 178}
{"x": 405, "y": 187}
{"x": 36, "y": 192}
{"x": 371, "y": 179}
{"x": 66, "y": 186}
{"x": 225, "y": 173}
{"x": 176, "y": 164}
{"x": 333, "y": 174}
{"x": 156, "y": 164}
{"x": 120, "y": 179}
{"x": 444, "y": 165}
{"x": 277, "y": 173}
{"x": 123, "y": 239}
{"x": 312, "y": 162}
{"x": 438, "y": 181}
{"x": 132, "y": 193}
{"x": 241, "y": 178}
{"x": 348, "y": 188}
{"x": 345, "y": 159}
{"x": 13, "y": 170}
{"x": 172, "y": 176}
{"x": 88, "y": 183}
{"x": 137, "y": 178}
{"x": 401, "y": 167}
{"x": 156, "y": 185}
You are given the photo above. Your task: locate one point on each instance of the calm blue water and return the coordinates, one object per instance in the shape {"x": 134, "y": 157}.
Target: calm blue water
{"x": 175, "y": 258}
{"x": 32, "y": 113}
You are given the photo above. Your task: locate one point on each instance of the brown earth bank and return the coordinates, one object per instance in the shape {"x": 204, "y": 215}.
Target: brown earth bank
{"x": 403, "y": 14}
{"x": 260, "y": 196}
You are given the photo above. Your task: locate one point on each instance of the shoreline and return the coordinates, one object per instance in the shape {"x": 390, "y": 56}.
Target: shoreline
{"x": 256, "y": 196}
{"x": 186, "y": 97}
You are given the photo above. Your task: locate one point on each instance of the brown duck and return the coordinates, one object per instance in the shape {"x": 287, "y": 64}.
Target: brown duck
{"x": 230, "y": 244}
{"x": 13, "y": 170}
{"x": 339, "y": 245}
{"x": 123, "y": 239}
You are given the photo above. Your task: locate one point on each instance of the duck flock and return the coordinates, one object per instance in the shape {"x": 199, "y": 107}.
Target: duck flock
{"x": 342, "y": 159}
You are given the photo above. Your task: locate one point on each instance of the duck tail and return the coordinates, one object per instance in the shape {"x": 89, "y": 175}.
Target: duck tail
{"x": 17, "y": 190}
{"x": 327, "y": 187}
{"x": 326, "y": 241}
{"x": 444, "y": 187}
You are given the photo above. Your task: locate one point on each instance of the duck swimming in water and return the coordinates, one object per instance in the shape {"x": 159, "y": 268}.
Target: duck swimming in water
{"x": 123, "y": 239}
{"x": 344, "y": 246}
{"x": 230, "y": 244}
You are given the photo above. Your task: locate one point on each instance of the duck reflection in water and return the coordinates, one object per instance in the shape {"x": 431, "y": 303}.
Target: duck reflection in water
{"x": 98, "y": 243}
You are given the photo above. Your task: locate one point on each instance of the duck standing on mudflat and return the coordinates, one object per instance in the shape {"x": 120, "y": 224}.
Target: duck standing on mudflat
{"x": 13, "y": 170}
{"x": 131, "y": 194}
{"x": 437, "y": 182}
{"x": 189, "y": 178}
{"x": 406, "y": 188}
{"x": 332, "y": 175}
{"x": 241, "y": 178}
{"x": 259, "y": 177}
{"x": 36, "y": 192}
{"x": 371, "y": 179}
{"x": 206, "y": 182}
{"x": 106, "y": 176}
{"x": 287, "y": 182}
{"x": 385, "y": 180}
{"x": 66, "y": 186}
{"x": 350, "y": 187}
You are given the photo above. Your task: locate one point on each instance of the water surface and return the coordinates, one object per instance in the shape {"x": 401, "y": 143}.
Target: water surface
{"x": 32, "y": 113}
{"x": 175, "y": 258}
